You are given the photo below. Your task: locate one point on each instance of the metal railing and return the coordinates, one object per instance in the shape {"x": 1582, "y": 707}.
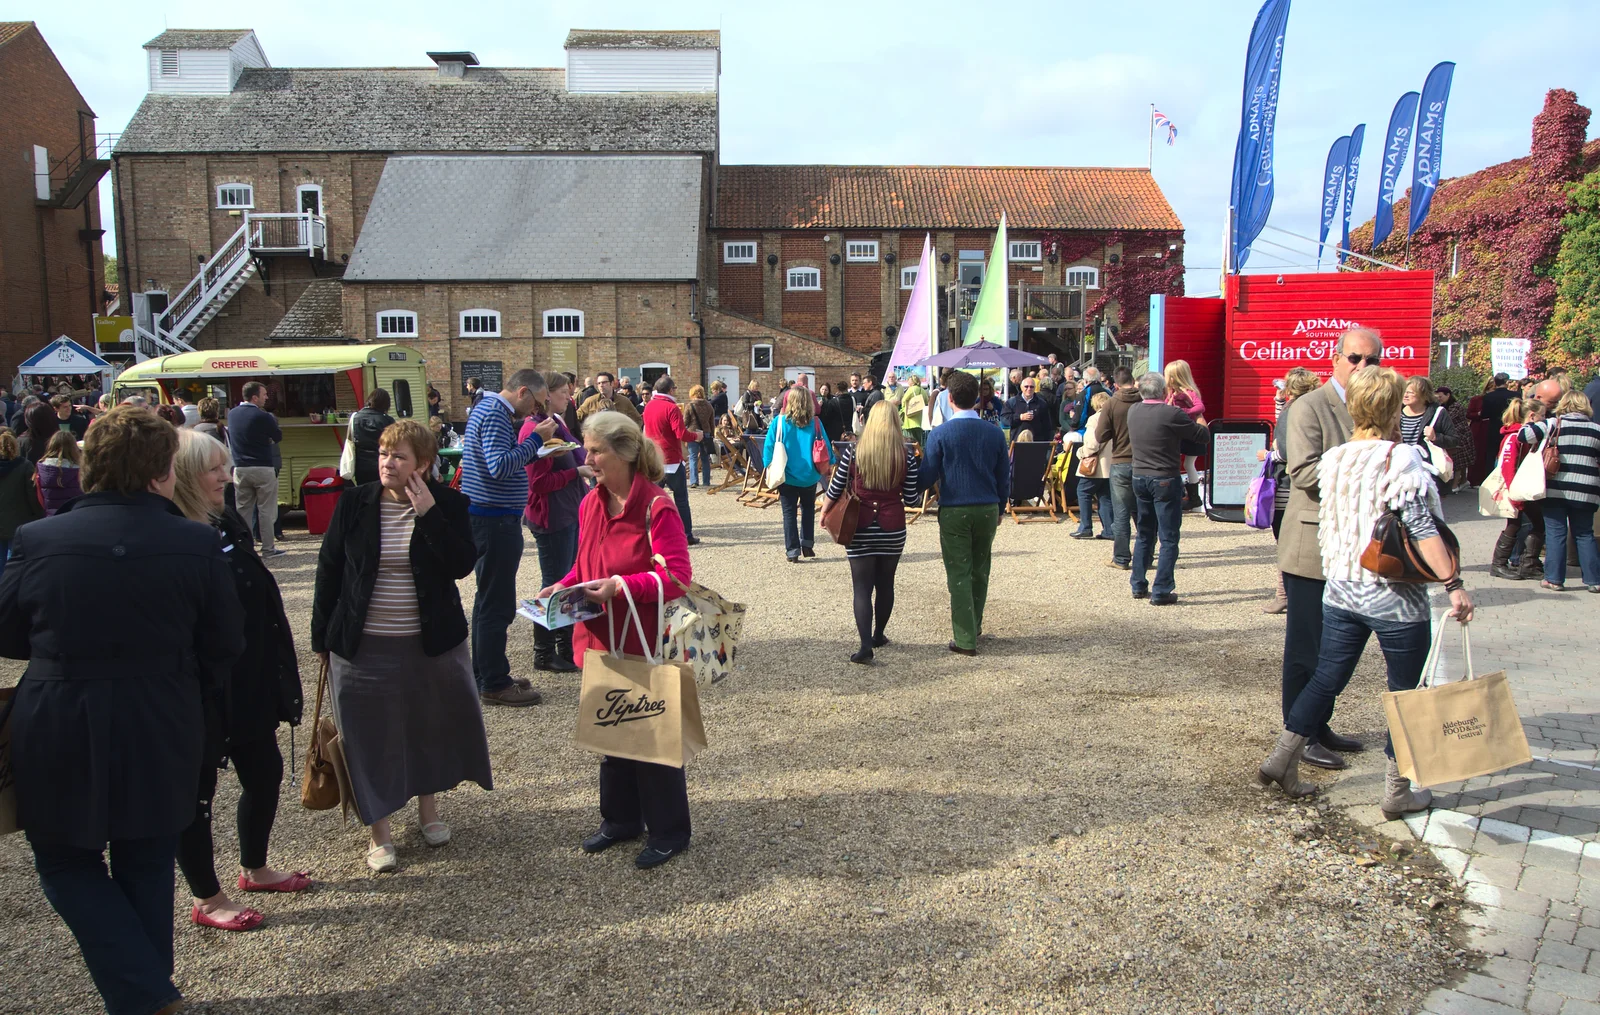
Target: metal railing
{"x": 279, "y": 232}
{"x": 214, "y": 276}
{"x": 1053, "y": 305}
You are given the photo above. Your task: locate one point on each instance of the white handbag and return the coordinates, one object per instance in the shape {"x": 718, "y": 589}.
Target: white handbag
{"x": 1493, "y": 499}
{"x": 780, "y": 460}
{"x": 1528, "y": 483}
{"x": 1440, "y": 459}
{"x": 347, "y": 457}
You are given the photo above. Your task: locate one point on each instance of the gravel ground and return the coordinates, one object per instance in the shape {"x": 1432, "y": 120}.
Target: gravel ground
{"x": 1065, "y": 823}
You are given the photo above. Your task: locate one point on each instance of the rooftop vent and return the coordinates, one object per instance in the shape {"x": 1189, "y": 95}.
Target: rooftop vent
{"x": 455, "y": 64}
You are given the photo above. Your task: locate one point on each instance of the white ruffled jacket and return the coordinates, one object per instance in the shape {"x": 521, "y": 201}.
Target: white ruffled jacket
{"x": 1358, "y": 482}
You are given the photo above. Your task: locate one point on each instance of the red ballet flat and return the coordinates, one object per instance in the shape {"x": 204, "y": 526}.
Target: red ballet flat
{"x": 299, "y": 881}
{"x": 249, "y": 919}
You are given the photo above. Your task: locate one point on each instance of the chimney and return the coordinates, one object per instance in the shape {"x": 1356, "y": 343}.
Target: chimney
{"x": 454, "y": 65}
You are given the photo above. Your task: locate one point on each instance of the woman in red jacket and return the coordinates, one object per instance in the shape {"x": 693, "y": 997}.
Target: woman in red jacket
{"x": 623, "y": 523}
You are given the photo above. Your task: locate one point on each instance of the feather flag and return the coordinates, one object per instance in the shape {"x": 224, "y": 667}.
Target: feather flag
{"x": 990, "y": 318}
{"x": 919, "y": 330}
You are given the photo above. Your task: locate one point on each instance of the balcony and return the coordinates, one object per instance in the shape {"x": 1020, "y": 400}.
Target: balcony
{"x": 1051, "y": 306}
{"x": 286, "y": 233}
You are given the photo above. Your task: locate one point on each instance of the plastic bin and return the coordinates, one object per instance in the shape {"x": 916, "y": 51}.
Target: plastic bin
{"x": 319, "y": 494}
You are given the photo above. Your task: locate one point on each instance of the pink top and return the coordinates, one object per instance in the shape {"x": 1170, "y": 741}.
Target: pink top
{"x": 1190, "y": 402}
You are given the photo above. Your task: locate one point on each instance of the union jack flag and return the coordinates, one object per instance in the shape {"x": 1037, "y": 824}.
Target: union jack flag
{"x": 1162, "y": 121}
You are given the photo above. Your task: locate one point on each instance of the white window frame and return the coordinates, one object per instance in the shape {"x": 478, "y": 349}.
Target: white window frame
{"x": 302, "y": 188}
{"x": 249, "y": 195}
{"x": 754, "y": 366}
{"x": 164, "y": 63}
{"x": 559, "y": 332}
{"x": 407, "y": 316}
{"x": 908, "y": 276}
{"x": 488, "y": 328}
{"x": 861, "y": 251}
{"x": 816, "y": 273}
{"x": 1026, "y": 250}
{"x": 1077, "y": 269}
{"x": 733, "y": 252}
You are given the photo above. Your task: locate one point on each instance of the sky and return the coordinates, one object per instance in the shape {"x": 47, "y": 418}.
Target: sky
{"x": 995, "y": 83}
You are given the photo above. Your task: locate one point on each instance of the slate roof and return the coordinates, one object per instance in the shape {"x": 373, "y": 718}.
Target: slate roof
{"x": 318, "y": 313}
{"x": 531, "y": 218}
{"x": 592, "y": 38}
{"x": 11, "y": 29}
{"x": 940, "y": 197}
{"x": 418, "y": 110}
{"x": 197, "y": 38}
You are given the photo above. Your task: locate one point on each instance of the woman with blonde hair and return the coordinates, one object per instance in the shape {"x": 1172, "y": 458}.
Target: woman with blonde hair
{"x": 1421, "y": 419}
{"x": 1099, "y": 484}
{"x": 700, "y": 417}
{"x": 1530, "y": 513}
{"x": 1185, "y": 395}
{"x": 881, "y": 470}
{"x": 624, "y": 523}
{"x": 1359, "y": 481}
{"x": 803, "y": 441}
{"x": 261, "y": 690}
{"x": 386, "y": 618}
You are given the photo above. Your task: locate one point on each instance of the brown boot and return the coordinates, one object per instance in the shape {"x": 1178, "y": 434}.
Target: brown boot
{"x": 1398, "y": 796}
{"x": 1280, "y": 602}
{"x": 1283, "y": 766}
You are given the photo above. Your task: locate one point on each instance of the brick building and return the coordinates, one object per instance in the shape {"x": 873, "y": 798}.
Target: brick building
{"x": 51, "y": 268}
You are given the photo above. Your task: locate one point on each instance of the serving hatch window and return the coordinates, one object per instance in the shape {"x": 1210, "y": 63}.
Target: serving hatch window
{"x": 301, "y": 394}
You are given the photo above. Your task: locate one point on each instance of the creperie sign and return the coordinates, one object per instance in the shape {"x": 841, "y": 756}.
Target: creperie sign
{"x": 1314, "y": 339}
{"x": 236, "y": 363}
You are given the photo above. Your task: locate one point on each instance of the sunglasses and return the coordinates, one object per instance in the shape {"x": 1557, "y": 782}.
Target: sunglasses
{"x": 1355, "y": 359}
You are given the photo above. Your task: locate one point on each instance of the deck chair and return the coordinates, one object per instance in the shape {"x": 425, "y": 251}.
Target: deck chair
{"x": 1030, "y": 461}
{"x": 735, "y": 463}
{"x": 930, "y": 497}
{"x": 755, "y": 492}
{"x": 1062, "y": 480}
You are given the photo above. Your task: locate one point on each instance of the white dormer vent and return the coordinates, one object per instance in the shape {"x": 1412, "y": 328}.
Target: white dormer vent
{"x": 194, "y": 61}
{"x": 602, "y": 62}
{"x": 454, "y": 64}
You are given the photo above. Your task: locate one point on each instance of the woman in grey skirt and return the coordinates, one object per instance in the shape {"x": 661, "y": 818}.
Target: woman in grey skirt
{"x": 388, "y": 619}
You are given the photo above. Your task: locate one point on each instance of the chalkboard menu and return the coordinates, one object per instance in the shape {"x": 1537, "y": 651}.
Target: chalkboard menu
{"x": 487, "y": 372}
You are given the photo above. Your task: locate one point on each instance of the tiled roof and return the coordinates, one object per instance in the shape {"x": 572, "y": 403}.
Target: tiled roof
{"x": 590, "y": 38}
{"x": 11, "y": 29}
{"x": 318, "y": 313}
{"x": 374, "y": 109}
{"x": 197, "y": 38}
{"x": 519, "y": 218}
{"x": 940, "y": 197}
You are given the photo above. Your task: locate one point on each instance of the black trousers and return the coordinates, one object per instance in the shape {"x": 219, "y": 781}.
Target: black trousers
{"x": 1302, "y": 637}
{"x": 260, "y": 769}
{"x": 869, "y": 574}
{"x": 636, "y": 795}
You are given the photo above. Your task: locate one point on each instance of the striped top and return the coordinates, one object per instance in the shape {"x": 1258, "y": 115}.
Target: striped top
{"x": 1578, "y": 443}
{"x": 872, "y": 540}
{"x": 393, "y": 610}
{"x": 492, "y": 461}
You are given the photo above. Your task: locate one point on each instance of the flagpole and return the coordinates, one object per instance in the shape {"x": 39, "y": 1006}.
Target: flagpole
{"x": 1150, "y": 155}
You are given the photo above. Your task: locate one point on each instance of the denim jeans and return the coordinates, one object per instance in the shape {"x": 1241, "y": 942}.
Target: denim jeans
{"x": 798, "y": 533}
{"x": 1561, "y": 514}
{"x": 1158, "y": 502}
{"x": 1121, "y": 511}
{"x": 558, "y": 551}
{"x": 123, "y": 921}
{"x": 699, "y": 464}
{"x": 1088, "y": 490}
{"x": 677, "y": 483}
{"x": 1344, "y": 636}
{"x": 499, "y": 542}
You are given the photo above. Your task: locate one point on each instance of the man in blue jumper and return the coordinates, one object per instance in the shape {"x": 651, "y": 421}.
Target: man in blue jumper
{"x": 967, "y": 458}
{"x": 493, "y": 478}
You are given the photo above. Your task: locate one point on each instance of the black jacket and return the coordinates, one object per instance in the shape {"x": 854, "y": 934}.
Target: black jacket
{"x": 835, "y": 415}
{"x": 366, "y": 425}
{"x": 263, "y": 688}
{"x": 442, "y": 552}
{"x": 1043, "y": 423}
{"x": 19, "y": 502}
{"x": 108, "y": 732}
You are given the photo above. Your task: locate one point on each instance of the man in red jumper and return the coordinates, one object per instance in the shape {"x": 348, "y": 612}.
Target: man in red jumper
{"x": 663, "y": 423}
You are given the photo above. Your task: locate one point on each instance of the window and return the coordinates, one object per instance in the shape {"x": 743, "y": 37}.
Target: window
{"x": 805, "y": 278}
{"x": 908, "y": 277}
{"x": 236, "y": 195}
{"x": 761, "y": 357}
{"x": 169, "y": 63}
{"x": 742, "y": 252}
{"x": 309, "y": 197}
{"x": 397, "y": 324}
{"x": 1089, "y": 278}
{"x": 563, "y": 323}
{"x": 649, "y": 373}
{"x": 480, "y": 324}
{"x": 1024, "y": 250}
{"x": 861, "y": 250}
{"x": 402, "y": 398}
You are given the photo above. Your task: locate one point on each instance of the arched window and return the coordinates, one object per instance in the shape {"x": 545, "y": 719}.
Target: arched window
{"x": 480, "y": 324}
{"x": 1089, "y": 278}
{"x": 805, "y": 278}
{"x": 397, "y": 324}
{"x": 236, "y": 195}
{"x": 563, "y": 323}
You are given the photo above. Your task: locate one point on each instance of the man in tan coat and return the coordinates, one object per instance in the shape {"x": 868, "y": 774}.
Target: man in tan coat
{"x": 607, "y": 397}
{"x": 1316, "y": 421}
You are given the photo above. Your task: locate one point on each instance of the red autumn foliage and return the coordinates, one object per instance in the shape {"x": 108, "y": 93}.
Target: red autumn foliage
{"x": 1130, "y": 282}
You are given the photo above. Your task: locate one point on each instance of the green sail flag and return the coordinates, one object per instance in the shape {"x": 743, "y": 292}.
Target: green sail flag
{"x": 989, "y": 317}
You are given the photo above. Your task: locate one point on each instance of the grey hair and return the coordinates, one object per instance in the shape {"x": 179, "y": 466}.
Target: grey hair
{"x": 528, "y": 378}
{"x": 1152, "y": 385}
{"x": 1371, "y": 333}
{"x": 1091, "y": 373}
{"x": 139, "y": 400}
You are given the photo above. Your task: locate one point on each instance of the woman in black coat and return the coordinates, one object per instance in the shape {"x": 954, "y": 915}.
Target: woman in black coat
{"x": 108, "y": 729}
{"x": 365, "y": 427}
{"x": 263, "y": 690}
{"x": 387, "y": 619}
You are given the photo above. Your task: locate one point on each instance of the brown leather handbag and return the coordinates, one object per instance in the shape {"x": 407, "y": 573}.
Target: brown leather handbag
{"x": 320, "y": 791}
{"x": 1392, "y": 552}
{"x": 1551, "y": 453}
{"x": 841, "y": 517}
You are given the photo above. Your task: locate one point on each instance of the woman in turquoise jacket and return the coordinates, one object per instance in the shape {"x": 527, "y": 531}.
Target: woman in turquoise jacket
{"x": 798, "y": 430}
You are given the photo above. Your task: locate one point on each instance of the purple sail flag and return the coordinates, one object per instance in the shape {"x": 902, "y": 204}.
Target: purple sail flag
{"x": 918, "y": 337}
{"x": 1351, "y": 169}
{"x": 1253, "y": 167}
{"x": 1394, "y": 157}
{"x": 1430, "y": 142}
{"x": 1332, "y": 188}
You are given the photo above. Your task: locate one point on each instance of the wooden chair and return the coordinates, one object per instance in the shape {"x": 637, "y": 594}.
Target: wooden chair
{"x": 930, "y": 498}
{"x": 1030, "y": 463}
{"x": 735, "y": 462}
{"x": 755, "y": 492}
{"x": 1062, "y": 480}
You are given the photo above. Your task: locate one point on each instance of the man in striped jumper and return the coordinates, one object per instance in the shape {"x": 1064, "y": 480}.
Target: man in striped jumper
{"x": 493, "y": 478}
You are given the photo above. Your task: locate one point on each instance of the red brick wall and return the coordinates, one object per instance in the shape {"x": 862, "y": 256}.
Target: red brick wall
{"x": 863, "y": 300}
{"x": 805, "y": 312}
{"x": 739, "y": 285}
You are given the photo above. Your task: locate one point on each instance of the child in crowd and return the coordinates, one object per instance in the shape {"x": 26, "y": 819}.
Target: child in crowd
{"x": 58, "y": 473}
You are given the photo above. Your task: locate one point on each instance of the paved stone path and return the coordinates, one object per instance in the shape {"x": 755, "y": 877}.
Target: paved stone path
{"x": 1526, "y": 841}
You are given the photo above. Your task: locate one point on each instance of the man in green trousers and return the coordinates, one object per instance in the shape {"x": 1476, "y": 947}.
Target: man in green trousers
{"x": 967, "y": 458}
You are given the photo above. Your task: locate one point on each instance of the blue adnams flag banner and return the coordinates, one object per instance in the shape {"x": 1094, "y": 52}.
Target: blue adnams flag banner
{"x": 1394, "y": 157}
{"x": 1351, "y": 170}
{"x": 1430, "y": 142}
{"x": 1332, "y": 187}
{"x": 1253, "y": 169}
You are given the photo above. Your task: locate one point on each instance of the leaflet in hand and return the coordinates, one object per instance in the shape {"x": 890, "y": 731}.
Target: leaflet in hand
{"x": 565, "y": 608}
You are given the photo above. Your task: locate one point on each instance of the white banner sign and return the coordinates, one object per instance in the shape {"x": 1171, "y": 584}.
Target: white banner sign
{"x": 1509, "y": 356}
{"x": 1233, "y": 466}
